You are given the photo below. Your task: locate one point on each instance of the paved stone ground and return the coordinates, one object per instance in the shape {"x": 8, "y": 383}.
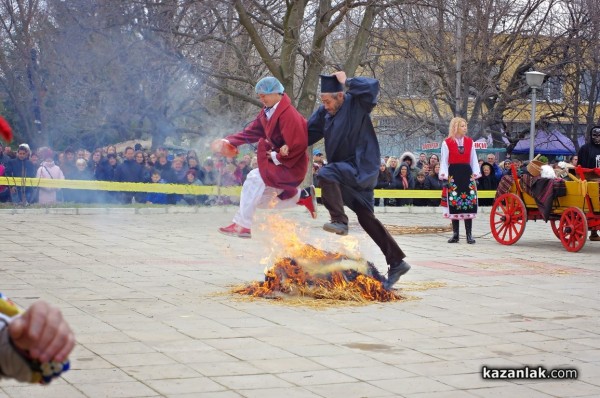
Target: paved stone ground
{"x": 146, "y": 293}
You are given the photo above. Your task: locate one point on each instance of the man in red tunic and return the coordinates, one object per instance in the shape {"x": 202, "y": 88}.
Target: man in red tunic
{"x": 280, "y": 131}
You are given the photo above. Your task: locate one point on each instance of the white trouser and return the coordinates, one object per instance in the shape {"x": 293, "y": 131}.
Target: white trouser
{"x": 256, "y": 194}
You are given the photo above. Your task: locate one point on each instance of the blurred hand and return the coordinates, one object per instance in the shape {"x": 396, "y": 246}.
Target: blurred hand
{"x": 284, "y": 151}
{"x": 43, "y": 333}
{"x": 341, "y": 76}
{"x": 224, "y": 148}
{"x": 216, "y": 145}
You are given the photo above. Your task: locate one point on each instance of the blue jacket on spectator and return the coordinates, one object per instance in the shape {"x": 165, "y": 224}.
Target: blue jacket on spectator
{"x": 157, "y": 198}
{"x": 129, "y": 171}
{"x": 498, "y": 172}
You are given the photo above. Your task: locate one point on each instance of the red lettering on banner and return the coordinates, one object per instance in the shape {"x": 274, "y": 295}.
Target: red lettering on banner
{"x": 430, "y": 145}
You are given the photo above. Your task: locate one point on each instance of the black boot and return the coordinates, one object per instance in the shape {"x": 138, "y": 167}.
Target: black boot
{"x": 454, "y": 238}
{"x": 468, "y": 227}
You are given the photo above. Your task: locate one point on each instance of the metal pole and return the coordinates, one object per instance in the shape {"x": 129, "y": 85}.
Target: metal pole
{"x": 532, "y": 127}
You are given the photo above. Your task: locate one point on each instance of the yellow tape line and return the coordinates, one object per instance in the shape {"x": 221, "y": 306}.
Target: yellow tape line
{"x": 194, "y": 189}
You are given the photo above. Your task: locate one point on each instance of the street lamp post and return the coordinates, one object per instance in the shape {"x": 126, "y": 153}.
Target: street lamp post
{"x": 534, "y": 80}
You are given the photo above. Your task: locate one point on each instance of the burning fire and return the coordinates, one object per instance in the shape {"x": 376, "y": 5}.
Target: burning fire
{"x": 303, "y": 270}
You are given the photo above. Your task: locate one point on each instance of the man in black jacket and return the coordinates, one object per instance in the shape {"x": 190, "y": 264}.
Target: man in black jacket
{"x": 129, "y": 171}
{"x": 344, "y": 122}
{"x": 21, "y": 168}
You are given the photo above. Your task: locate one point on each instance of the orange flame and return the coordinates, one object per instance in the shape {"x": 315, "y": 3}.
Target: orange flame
{"x": 305, "y": 270}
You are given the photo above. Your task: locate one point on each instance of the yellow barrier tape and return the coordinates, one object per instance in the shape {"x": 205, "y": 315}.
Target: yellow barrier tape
{"x": 195, "y": 189}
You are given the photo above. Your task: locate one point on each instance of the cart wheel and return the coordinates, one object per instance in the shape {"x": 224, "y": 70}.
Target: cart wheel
{"x": 508, "y": 218}
{"x": 573, "y": 229}
{"x": 554, "y": 223}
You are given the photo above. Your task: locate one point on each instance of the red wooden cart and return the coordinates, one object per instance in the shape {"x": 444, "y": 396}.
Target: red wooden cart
{"x": 571, "y": 217}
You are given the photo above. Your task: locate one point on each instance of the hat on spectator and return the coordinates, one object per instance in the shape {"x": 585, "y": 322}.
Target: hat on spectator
{"x": 330, "y": 84}
{"x": 317, "y": 152}
{"x": 192, "y": 172}
{"x": 269, "y": 85}
{"x": 137, "y": 147}
{"x": 25, "y": 146}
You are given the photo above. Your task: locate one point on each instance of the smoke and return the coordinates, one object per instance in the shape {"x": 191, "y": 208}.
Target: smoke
{"x": 111, "y": 77}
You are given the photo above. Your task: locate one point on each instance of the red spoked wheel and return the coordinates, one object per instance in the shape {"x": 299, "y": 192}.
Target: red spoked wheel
{"x": 508, "y": 218}
{"x": 554, "y": 223}
{"x": 573, "y": 229}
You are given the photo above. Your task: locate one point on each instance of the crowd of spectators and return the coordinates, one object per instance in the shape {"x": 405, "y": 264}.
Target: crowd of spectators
{"x": 408, "y": 172}
{"x": 133, "y": 164}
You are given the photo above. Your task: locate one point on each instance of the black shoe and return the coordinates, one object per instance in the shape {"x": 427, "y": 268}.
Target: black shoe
{"x": 394, "y": 273}
{"x": 336, "y": 227}
{"x": 455, "y": 228}
{"x": 468, "y": 229}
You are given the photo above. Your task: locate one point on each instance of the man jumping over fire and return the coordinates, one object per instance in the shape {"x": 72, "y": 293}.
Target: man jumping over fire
{"x": 352, "y": 149}
{"x": 280, "y": 131}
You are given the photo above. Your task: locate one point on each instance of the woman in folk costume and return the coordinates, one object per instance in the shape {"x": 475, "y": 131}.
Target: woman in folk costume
{"x": 458, "y": 170}
{"x": 48, "y": 169}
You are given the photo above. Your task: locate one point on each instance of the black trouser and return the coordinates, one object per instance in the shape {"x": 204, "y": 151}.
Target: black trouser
{"x": 333, "y": 202}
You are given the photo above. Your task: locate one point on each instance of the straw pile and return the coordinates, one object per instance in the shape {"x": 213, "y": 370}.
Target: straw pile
{"x": 398, "y": 230}
{"x": 330, "y": 277}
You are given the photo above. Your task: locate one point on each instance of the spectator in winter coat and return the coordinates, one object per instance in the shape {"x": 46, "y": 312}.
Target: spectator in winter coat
{"x": 95, "y": 164}
{"x": 157, "y": 198}
{"x": 129, "y": 171}
{"x": 410, "y": 160}
{"x": 432, "y": 181}
{"x": 384, "y": 181}
{"x": 163, "y": 163}
{"x": 50, "y": 170}
{"x": 487, "y": 181}
{"x": 498, "y": 172}
{"x": 21, "y": 168}
{"x": 422, "y": 161}
{"x": 175, "y": 175}
{"x": 82, "y": 173}
{"x": 67, "y": 164}
{"x": 404, "y": 181}
{"x": 433, "y": 160}
{"x": 420, "y": 185}
{"x": 4, "y": 159}
{"x": 190, "y": 179}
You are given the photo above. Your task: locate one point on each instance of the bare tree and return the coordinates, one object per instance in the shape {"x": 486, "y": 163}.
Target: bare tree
{"x": 287, "y": 40}
{"x": 464, "y": 58}
{"x": 20, "y": 75}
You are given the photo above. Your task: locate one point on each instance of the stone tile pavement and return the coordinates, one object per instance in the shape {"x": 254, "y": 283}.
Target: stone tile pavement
{"x": 147, "y": 293}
